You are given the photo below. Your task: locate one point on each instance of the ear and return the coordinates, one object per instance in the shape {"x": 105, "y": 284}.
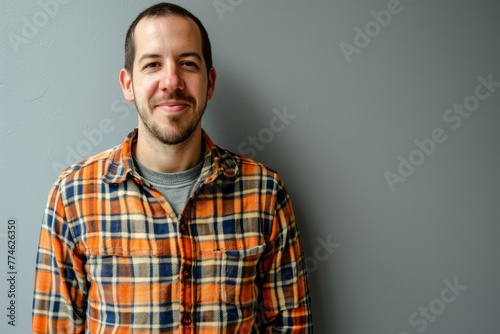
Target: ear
{"x": 126, "y": 83}
{"x": 212, "y": 76}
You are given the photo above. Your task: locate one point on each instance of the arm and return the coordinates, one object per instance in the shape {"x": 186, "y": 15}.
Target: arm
{"x": 285, "y": 292}
{"x": 59, "y": 300}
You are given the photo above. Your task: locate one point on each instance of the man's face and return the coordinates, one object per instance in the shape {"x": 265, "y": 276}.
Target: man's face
{"x": 170, "y": 85}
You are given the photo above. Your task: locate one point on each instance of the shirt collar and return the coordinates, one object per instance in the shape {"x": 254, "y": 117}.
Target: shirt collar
{"x": 218, "y": 161}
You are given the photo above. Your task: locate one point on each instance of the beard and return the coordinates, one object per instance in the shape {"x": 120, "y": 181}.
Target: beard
{"x": 180, "y": 128}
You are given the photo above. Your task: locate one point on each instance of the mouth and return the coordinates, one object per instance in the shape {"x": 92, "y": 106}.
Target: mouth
{"x": 173, "y": 106}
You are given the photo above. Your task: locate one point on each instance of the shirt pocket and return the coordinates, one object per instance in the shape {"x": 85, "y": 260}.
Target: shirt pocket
{"x": 132, "y": 277}
{"x": 229, "y": 276}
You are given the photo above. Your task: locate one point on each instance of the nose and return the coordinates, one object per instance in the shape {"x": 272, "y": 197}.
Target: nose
{"x": 171, "y": 79}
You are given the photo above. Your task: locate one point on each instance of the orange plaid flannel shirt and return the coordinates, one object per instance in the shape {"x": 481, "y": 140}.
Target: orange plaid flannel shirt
{"x": 114, "y": 258}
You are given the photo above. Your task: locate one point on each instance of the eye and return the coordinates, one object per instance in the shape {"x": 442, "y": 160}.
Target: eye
{"x": 152, "y": 65}
{"x": 190, "y": 64}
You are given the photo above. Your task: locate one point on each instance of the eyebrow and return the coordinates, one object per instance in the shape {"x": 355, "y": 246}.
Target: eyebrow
{"x": 191, "y": 54}
{"x": 148, "y": 56}
{"x": 182, "y": 55}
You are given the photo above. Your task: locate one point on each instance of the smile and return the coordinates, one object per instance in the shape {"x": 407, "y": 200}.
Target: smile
{"x": 172, "y": 106}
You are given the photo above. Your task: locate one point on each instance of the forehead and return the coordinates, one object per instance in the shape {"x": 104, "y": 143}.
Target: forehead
{"x": 168, "y": 32}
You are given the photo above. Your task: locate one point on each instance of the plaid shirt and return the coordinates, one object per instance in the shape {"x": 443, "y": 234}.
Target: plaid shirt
{"x": 114, "y": 258}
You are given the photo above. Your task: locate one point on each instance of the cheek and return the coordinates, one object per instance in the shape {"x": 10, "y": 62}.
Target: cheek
{"x": 146, "y": 86}
{"x": 198, "y": 87}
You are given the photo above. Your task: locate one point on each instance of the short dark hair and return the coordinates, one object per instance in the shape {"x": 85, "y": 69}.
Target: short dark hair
{"x": 159, "y": 10}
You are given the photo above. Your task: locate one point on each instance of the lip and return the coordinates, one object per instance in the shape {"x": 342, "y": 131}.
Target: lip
{"x": 172, "y": 106}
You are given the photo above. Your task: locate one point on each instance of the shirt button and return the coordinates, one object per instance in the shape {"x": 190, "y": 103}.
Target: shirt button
{"x": 184, "y": 228}
{"x": 186, "y": 274}
{"x": 186, "y": 319}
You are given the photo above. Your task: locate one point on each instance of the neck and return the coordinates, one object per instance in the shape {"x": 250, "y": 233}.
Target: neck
{"x": 165, "y": 158}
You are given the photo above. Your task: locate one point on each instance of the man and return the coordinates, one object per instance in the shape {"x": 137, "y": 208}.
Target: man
{"x": 169, "y": 233}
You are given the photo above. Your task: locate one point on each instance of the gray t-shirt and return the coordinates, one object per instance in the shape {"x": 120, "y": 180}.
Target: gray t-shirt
{"x": 175, "y": 187}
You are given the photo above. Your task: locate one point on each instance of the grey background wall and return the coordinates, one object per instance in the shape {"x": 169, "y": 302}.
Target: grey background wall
{"x": 381, "y": 116}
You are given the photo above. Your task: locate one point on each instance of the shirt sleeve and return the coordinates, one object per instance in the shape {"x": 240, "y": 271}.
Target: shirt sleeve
{"x": 59, "y": 299}
{"x": 285, "y": 293}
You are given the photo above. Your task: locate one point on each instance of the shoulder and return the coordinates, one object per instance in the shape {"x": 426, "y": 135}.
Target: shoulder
{"x": 235, "y": 164}
{"x": 93, "y": 167}
{"x": 247, "y": 168}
